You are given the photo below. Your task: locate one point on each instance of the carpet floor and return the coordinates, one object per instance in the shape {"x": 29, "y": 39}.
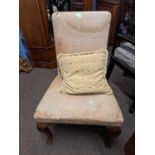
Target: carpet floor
{"x": 69, "y": 139}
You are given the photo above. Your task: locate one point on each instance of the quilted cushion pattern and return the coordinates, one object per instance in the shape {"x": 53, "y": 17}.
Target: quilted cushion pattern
{"x": 84, "y": 72}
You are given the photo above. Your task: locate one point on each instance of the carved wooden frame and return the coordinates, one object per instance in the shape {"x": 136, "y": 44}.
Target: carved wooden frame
{"x": 110, "y": 133}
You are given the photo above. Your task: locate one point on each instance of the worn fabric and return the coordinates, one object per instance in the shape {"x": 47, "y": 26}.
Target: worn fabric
{"x": 75, "y": 32}
{"x": 56, "y": 107}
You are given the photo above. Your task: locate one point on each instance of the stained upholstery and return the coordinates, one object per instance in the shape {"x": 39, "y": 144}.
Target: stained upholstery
{"x": 75, "y": 32}
{"x": 77, "y": 109}
{"x": 84, "y": 73}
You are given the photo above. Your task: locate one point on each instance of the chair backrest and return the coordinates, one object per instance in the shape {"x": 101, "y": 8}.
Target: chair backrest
{"x": 81, "y": 31}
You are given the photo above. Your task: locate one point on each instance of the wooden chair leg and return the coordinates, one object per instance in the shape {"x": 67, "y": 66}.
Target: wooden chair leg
{"x": 110, "y": 68}
{"x": 110, "y": 134}
{"x": 43, "y": 127}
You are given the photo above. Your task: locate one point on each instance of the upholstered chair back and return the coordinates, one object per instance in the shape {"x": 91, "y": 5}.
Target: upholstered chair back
{"x": 81, "y": 31}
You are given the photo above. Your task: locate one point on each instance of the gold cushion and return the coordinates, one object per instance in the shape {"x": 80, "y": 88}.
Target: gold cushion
{"x": 84, "y": 73}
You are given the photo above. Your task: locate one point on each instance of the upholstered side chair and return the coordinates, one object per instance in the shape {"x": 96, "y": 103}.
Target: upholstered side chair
{"x": 76, "y": 32}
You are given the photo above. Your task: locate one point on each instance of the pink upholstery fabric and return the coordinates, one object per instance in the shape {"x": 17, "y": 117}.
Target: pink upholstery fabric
{"x": 77, "y": 109}
{"x": 76, "y": 32}
{"x": 81, "y": 31}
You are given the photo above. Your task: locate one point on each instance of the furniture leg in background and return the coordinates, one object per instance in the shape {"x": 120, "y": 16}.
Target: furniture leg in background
{"x": 23, "y": 66}
{"x": 129, "y": 147}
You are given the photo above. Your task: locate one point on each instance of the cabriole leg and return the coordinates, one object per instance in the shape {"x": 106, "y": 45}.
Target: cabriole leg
{"x": 108, "y": 134}
{"x": 43, "y": 127}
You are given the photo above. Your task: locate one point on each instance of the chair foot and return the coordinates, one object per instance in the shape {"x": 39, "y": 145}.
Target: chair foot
{"x": 43, "y": 127}
{"x": 110, "y": 134}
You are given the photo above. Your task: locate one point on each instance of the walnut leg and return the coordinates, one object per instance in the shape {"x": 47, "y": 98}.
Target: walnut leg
{"x": 108, "y": 134}
{"x": 43, "y": 127}
{"x": 114, "y": 131}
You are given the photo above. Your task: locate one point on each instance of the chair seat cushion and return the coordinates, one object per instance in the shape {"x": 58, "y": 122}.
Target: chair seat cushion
{"x": 126, "y": 53}
{"x": 77, "y": 109}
